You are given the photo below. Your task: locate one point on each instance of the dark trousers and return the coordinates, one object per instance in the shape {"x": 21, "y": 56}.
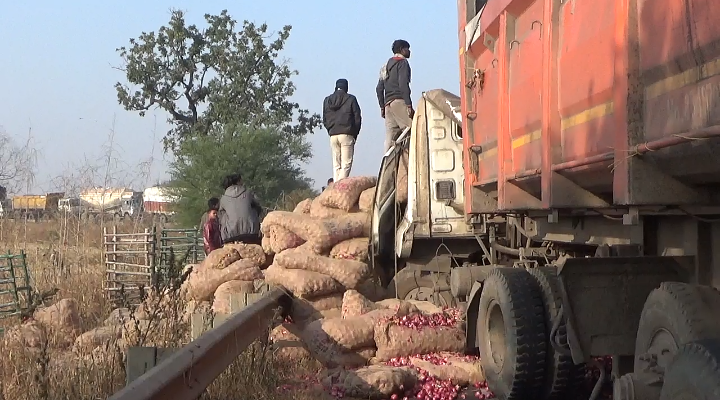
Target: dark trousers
{"x": 248, "y": 239}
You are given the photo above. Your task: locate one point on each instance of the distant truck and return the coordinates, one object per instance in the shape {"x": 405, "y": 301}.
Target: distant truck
{"x": 98, "y": 201}
{"x": 158, "y": 203}
{"x": 33, "y": 206}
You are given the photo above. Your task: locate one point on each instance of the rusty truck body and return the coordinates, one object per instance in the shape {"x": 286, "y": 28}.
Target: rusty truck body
{"x": 568, "y": 197}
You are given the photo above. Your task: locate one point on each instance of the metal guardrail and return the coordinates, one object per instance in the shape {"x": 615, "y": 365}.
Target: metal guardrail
{"x": 186, "y": 373}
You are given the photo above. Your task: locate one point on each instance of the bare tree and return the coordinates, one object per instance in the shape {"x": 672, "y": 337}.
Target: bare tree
{"x": 18, "y": 161}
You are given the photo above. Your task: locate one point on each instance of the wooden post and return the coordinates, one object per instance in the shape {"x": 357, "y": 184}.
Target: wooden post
{"x": 142, "y": 359}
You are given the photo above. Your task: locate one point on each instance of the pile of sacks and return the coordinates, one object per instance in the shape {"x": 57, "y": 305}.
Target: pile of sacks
{"x": 372, "y": 347}
{"x": 231, "y": 270}
{"x": 320, "y": 250}
{"x": 386, "y": 348}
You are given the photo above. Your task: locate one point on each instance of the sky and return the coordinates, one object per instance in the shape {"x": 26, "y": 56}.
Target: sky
{"x": 57, "y": 80}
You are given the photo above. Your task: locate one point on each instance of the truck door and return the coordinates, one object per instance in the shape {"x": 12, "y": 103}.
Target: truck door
{"x": 447, "y": 213}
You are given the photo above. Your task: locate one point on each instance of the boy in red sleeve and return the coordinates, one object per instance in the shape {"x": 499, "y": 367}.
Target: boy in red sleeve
{"x": 212, "y": 239}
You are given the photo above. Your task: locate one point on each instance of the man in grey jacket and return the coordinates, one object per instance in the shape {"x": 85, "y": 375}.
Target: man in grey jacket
{"x": 239, "y": 212}
{"x": 393, "y": 92}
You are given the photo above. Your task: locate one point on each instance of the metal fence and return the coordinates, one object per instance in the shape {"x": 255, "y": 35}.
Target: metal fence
{"x": 142, "y": 260}
{"x": 15, "y": 290}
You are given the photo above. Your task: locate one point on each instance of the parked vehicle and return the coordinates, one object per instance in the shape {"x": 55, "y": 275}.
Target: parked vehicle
{"x": 94, "y": 202}
{"x": 568, "y": 197}
{"x": 5, "y": 207}
{"x": 158, "y": 203}
{"x": 35, "y": 206}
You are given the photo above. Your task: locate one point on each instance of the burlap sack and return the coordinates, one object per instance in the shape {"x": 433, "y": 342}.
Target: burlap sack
{"x": 303, "y": 207}
{"x": 329, "y": 314}
{"x": 372, "y": 290}
{"x": 393, "y": 340}
{"x": 401, "y": 183}
{"x": 309, "y": 248}
{"x": 30, "y": 334}
{"x": 277, "y": 238}
{"x": 318, "y": 210}
{"x": 322, "y": 234}
{"x": 222, "y": 300}
{"x": 425, "y": 307}
{"x": 367, "y": 197}
{"x": 62, "y": 321}
{"x": 461, "y": 370}
{"x": 344, "y": 194}
{"x": 286, "y": 343}
{"x": 220, "y": 258}
{"x": 202, "y": 285}
{"x": 356, "y": 358}
{"x": 85, "y": 343}
{"x": 349, "y": 273}
{"x": 304, "y": 309}
{"x": 118, "y": 316}
{"x": 328, "y": 338}
{"x": 373, "y": 382}
{"x": 351, "y": 249}
{"x": 302, "y": 283}
{"x": 355, "y": 304}
{"x": 252, "y": 252}
{"x": 401, "y": 306}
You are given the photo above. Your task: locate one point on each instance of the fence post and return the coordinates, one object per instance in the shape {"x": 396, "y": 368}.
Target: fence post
{"x": 142, "y": 359}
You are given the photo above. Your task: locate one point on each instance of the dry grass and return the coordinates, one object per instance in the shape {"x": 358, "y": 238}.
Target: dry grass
{"x": 67, "y": 255}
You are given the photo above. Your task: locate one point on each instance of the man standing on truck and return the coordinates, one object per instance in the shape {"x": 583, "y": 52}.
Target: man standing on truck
{"x": 393, "y": 92}
{"x": 342, "y": 119}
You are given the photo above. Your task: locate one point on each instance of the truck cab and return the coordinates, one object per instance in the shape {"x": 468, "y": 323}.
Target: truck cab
{"x": 71, "y": 205}
{"x": 419, "y": 229}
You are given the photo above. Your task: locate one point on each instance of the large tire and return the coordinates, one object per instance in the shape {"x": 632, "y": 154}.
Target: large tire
{"x": 412, "y": 285}
{"x": 511, "y": 334}
{"x": 694, "y": 373}
{"x": 563, "y": 377}
{"x": 674, "y": 314}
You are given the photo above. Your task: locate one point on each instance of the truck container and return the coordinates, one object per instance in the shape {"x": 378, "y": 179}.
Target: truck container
{"x": 121, "y": 202}
{"x": 569, "y": 203}
{"x": 35, "y": 206}
{"x": 158, "y": 202}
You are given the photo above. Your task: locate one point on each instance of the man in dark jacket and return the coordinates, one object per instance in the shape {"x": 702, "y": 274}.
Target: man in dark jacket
{"x": 239, "y": 213}
{"x": 393, "y": 92}
{"x": 342, "y": 119}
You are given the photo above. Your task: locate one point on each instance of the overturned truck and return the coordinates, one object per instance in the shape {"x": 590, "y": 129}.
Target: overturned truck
{"x": 568, "y": 198}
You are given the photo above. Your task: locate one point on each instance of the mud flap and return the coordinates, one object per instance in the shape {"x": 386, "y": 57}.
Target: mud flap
{"x": 471, "y": 316}
{"x": 604, "y": 297}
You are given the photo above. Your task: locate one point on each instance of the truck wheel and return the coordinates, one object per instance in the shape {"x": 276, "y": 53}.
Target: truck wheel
{"x": 412, "y": 285}
{"x": 694, "y": 373}
{"x": 511, "y": 334}
{"x": 674, "y": 314}
{"x": 563, "y": 376}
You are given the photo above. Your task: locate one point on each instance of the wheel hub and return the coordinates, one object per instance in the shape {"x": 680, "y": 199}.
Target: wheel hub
{"x": 661, "y": 349}
{"x": 637, "y": 387}
{"x": 496, "y": 341}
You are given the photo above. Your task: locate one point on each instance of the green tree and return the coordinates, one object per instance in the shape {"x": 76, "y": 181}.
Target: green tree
{"x": 215, "y": 75}
{"x": 268, "y": 159}
{"x": 227, "y": 94}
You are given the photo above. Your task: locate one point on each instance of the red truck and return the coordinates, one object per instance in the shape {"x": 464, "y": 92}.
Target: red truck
{"x": 568, "y": 198}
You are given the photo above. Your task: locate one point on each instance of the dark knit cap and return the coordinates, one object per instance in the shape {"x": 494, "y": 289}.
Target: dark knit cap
{"x": 341, "y": 84}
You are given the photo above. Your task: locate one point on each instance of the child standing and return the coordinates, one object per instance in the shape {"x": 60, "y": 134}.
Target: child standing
{"x": 211, "y": 230}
